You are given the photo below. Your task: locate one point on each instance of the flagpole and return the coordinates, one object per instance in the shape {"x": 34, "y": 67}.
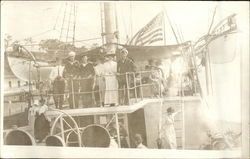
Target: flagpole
{"x": 172, "y": 29}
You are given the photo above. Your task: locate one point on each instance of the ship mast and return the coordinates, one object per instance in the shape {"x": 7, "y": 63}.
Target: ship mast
{"x": 68, "y": 28}
{"x": 110, "y": 26}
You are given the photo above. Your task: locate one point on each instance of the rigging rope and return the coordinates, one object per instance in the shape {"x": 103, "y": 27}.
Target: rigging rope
{"x": 58, "y": 16}
{"x": 131, "y": 20}
{"x": 37, "y": 35}
{"x": 172, "y": 28}
{"x": 212, "y": 22}
{"x": 74, "y": 28}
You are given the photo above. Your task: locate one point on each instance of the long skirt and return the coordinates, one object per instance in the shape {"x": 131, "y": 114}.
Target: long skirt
{"x": 101, "y": 90}
{"x": 111, "y": 90}
{"x": 169, "y": 137}
{"x": 41, "y": 127}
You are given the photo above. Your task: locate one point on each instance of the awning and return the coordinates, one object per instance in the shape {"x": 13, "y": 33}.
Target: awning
{"x": 141, "y": 53}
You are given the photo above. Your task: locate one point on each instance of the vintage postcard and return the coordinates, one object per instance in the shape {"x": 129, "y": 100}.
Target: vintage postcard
{"x": 127, "y": 79}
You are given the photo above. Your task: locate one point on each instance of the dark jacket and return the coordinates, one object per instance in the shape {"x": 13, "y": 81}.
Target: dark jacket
{"x": 123, "y": 67}
{"x": 71, "y": 69}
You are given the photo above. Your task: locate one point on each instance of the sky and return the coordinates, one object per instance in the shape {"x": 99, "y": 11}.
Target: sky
{"x": 31, "y": 18}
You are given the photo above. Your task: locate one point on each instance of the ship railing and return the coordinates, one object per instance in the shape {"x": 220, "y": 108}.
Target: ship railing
{"x": 130, "y": 87}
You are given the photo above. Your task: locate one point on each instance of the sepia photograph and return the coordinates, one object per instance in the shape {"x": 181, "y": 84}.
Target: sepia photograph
{"x": 125, "y": 79}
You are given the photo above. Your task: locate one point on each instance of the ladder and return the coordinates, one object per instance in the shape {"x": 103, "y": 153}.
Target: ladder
{"x": 180, "y": 124}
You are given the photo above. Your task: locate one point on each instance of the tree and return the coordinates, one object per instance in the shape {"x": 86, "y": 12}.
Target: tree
{"x": 50, "y": 44}
{"x": 55, "y": 46}
{"x": 81, "y": 49}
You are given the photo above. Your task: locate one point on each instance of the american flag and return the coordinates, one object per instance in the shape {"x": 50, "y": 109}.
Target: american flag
{"x": 150, "y": 33}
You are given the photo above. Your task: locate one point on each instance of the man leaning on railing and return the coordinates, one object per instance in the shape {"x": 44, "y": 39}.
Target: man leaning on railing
{"x": 125, "y": 67}
{"x": 71, "y": 73}
{"x": 87, "y": 74}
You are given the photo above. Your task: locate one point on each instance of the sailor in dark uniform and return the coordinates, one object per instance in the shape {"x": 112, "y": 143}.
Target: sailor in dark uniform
{"x": 125, "y": 65}
{"x": 87, "y": 73}
{"x": 71, "y": 73}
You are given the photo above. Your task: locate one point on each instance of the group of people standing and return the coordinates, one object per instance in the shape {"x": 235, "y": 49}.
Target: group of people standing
{"x": 93, "y": 82}
{"x": 166, "y": 76}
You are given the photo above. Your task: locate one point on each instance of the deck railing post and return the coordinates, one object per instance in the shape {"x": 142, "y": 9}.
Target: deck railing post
{"x": 135, "y": 86}
{"x": 127, "y": 88}
{"x": 72, "y": 92}
{"x": 99, "y": 90}
{"x": 141, "y": 93}
{"x": 117, "y": 130}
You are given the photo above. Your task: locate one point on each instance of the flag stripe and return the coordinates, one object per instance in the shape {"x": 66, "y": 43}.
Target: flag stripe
{"x": 154, "y": 39}
{"x": 159, "y": 30}
{"x": 154, "y": 22}
{"x": 153, "y": 30}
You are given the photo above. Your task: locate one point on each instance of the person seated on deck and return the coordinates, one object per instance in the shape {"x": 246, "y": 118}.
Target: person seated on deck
{"x": 125, "y": 69}
{"x": 123, "y": 134}
{"x": 42, "y": 122}
{"x": 87, "y": 73}
{"x": 71, "y": 73}
{"x": 113, "y": 143}
{"x": 138, "y": 142}
{"x": 58, "y": 83}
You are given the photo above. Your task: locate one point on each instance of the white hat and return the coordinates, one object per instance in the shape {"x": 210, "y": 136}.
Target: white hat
{"x": 176, "y": 53}
{"x": 72, "y": 53}
{"x": 124, "y": 51}
{"x": 36, "y": 102}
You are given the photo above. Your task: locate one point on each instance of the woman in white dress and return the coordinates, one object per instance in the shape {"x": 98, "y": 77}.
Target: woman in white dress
{"x": 111, "y": 83}
{"x": 167, "y": 133}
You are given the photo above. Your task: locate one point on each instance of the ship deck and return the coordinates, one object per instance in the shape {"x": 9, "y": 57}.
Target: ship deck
{"x": 119, "y": 109}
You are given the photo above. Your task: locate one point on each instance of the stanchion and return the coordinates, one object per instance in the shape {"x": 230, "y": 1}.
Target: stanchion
{"x": 118, "y": 130}
{"x": 141, "y": 91}
{"x": 73, "y": 94}
{"x": 135, "y": 87}
{"x": 127, "y": 88}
